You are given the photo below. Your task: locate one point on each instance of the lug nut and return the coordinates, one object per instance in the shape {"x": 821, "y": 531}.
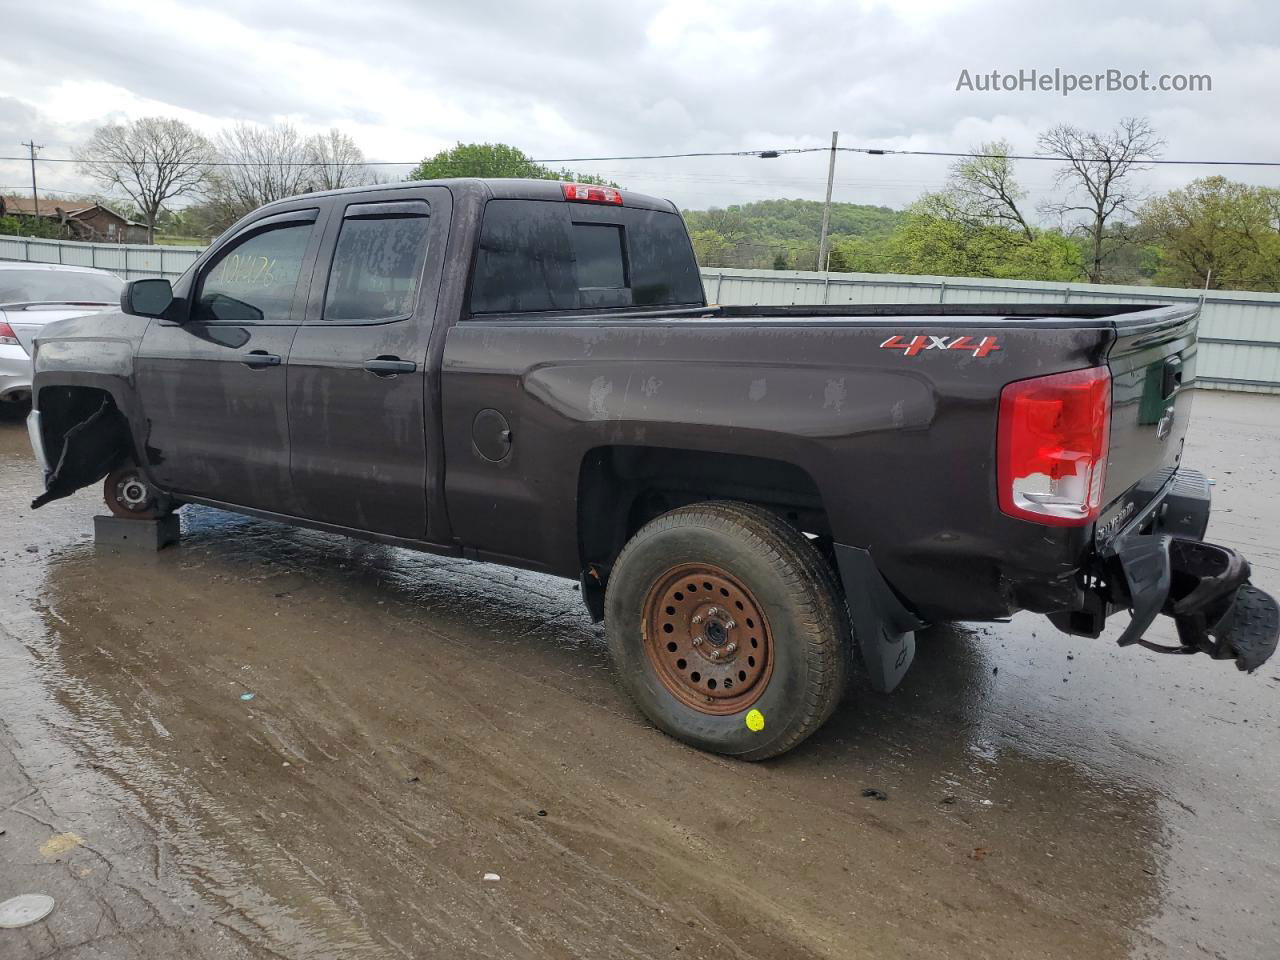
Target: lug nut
{"x": 715, "y": 654}
{"x": 697, "y": 618}
{"x": 730, "y": 648}
{"x": 713, "y": 611}
{"x": 730, "y": 624}
{"x": 697, "y": 641}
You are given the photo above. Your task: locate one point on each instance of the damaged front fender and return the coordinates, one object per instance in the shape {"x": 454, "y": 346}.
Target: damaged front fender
{"x": 89, "y": 450}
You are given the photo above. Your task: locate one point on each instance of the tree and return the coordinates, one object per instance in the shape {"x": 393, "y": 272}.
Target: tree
{"x": 336, "y": 161}
{"x": 1215, "y": 232}
{"x": 927, "y": 244}
{"x": 41, "y": 227}
{"x": 259, "y": 165}
{"x": 766, "y": 233}
{"x": 1099, "y": 170}
{"x": 981, "y": 190}
{"x": 710, "y": 248}
{"x": 855, "y": 254}
{"x": 152, "y": 161}
{"x": 494, "y": 160}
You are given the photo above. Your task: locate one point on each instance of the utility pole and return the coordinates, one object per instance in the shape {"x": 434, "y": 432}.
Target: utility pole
{"x": 826, "y": 209}
{"x": 32, "y": 147}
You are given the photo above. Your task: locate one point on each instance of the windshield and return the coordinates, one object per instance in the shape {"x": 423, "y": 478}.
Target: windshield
{"x": 58, "y": 286}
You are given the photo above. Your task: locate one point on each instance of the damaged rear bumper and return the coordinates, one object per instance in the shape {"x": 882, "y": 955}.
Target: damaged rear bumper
{"x": 1205, "y": 588}
{"x": 1159, "y": 566}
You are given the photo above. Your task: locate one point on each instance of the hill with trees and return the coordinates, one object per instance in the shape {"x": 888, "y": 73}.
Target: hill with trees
{"x": 781, "y": 234}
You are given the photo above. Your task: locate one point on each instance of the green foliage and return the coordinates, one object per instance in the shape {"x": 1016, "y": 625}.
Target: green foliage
{"x": 780, "y": 234}
{"x": 39, "y": 227}
{"x": 1215, "y": 230}
{"x": 494, "y": 160}
{"x": 942, "y": 247}
{"x": 710, "y": 247}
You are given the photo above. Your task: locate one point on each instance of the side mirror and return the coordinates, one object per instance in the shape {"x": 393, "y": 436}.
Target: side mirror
{"x": 146, "y": 298}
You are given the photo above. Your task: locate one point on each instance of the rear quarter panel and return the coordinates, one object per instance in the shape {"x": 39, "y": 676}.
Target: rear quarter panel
{"x": 901, "y": 448}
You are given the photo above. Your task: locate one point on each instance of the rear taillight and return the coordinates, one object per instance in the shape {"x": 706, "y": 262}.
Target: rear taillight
{"x": 7, "y": 336}
{"x": 586, "y": 193}
{"x": 1051, "y": 449}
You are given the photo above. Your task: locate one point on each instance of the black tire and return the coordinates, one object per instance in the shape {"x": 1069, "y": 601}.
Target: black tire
{"x": 794, "y": 588}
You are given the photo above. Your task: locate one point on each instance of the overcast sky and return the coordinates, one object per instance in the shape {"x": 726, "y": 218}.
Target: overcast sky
{"x": 592, "y": 79}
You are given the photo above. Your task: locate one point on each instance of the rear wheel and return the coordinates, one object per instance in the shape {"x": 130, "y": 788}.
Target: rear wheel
{"x": 728, "y": 630}
{"x": 131, "y": 496}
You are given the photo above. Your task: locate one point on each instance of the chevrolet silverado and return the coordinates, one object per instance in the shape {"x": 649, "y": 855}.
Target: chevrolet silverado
{"x": 756, "y": 501}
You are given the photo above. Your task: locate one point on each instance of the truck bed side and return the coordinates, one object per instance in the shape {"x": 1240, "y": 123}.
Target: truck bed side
{"x": 897, "y": 450}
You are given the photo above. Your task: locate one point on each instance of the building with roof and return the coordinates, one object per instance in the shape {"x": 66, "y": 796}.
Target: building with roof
{"x": 79, "y": 220}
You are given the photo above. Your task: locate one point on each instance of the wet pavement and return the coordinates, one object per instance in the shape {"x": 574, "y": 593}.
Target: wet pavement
{"x": 418, "y": 722}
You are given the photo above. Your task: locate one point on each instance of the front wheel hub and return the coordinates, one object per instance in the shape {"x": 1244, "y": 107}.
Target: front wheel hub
{"x": 707, "y": 638}
{"x": 128, "y": 495}
{"x": 134, "y": 493}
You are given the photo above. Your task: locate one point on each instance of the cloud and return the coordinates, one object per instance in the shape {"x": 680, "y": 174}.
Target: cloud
{"x": 581, "y": 78}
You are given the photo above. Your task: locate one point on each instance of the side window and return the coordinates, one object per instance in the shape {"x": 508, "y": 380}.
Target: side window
{"x": 377, "y": 262}
{"x": 253, "y": 281}
{"x": 525, "y": 262}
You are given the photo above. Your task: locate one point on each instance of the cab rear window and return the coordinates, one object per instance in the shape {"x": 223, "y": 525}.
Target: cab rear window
{"x": 545, "y": 255}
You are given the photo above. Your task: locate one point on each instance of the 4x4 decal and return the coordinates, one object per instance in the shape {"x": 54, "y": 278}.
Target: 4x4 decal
{"x": 909, "y": 348}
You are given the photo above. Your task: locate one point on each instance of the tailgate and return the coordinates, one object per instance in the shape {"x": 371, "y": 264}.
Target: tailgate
{"x": 1152, "y": 362}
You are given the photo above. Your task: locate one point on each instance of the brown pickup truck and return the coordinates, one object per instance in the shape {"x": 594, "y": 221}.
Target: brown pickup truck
{"x": 755, "y": 500}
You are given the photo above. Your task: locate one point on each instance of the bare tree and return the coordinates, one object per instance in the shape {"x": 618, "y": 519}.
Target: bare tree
{"x": 981, "y": 189}
{"x": 336, "y": 161}
{"x": 151, "y": 160}
{"x": 1099, "y": 171}
{"x": 259, "y": 165}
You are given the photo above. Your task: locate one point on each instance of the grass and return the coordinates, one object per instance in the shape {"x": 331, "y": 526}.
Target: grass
{"x": 169, "y": 240}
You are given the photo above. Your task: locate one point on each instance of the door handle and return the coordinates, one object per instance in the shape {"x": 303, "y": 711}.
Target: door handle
{"x": 260, "y": 358}
{"x": 389, "y": 366}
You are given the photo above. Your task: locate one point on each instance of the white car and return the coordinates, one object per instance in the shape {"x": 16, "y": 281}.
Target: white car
{"x": 33, "y": 294}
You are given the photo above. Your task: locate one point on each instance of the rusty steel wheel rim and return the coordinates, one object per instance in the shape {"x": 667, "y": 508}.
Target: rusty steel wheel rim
{"x": 707, "y": 638}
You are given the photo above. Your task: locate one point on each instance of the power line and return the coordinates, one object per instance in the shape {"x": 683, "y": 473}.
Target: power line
{"x": 768, "y": 154}
{"x": 873, "y": 151}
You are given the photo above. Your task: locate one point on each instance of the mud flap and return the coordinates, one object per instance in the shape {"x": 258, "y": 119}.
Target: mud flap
{"x": 883, "y": 629}
{"x": 1205, "y": 588}
{"x": 90, "y": 450}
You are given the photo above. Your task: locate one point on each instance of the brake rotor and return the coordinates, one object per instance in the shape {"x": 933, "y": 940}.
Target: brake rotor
{"x": 707, "y": 638}
{"x": 128, "y": 495}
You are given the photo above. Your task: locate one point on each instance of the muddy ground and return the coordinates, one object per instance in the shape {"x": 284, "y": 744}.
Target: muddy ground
{"x": 419, "y": 722}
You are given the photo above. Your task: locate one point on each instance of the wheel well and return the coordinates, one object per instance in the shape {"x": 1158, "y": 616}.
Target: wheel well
{"x": 85, "y": 437}
{"x": 61, "y": 408}
{"x": 621, "y": 488}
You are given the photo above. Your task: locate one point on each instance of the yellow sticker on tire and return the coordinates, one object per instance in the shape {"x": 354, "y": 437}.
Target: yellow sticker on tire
{"x": 755, "y": 721}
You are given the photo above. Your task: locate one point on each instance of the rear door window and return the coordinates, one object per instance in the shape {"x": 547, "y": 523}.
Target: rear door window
{"x": 378, "y": 261}
{"x": 540, "y": 255}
